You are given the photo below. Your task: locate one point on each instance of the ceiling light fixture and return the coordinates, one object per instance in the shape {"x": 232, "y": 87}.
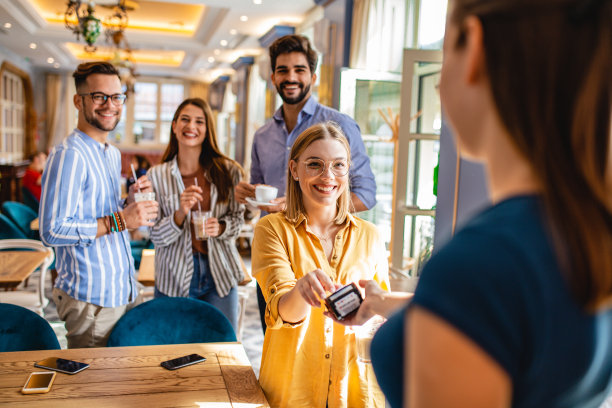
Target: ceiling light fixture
{"x": 257, "y": 1}
{"x": 50, "y": 60}
{"x": 244, "y": 18}
{"x": 223, "y": 43}
{"x": 217, "y": 52}
{"x": 56, "y": 65}
{"x": 211, "y": 59}
{"x": 33, "y": 46}
{"x": 7, "y": 25}
{"x": 79, "y": 18}
{"x": 233, "y": 31}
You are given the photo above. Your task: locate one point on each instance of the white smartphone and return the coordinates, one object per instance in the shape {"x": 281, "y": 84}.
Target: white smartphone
{"x": 39, "y": 382}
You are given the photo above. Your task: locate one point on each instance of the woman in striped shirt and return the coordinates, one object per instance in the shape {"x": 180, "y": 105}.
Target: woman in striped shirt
{"x": 196, "y": 175}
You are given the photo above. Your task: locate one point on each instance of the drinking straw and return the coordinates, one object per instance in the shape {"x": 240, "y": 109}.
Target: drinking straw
{"x": 199, "y": 208}
{"x": 135, "y": 178}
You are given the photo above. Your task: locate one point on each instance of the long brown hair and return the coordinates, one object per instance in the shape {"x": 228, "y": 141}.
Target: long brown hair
{"x": 295, "y": 202}
{"x": 549, "y": 63}
{"x": 213, "y": 162}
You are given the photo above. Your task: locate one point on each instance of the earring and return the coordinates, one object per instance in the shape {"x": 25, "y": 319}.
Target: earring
{"x": 296, "y": 179}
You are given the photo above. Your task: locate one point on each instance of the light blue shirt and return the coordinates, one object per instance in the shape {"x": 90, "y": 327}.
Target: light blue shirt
{"x": 81, "y": 183}
{"x": 272, "y": 146}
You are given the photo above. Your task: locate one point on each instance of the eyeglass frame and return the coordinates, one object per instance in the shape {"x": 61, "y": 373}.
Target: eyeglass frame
{"x": 326, "y": 164}
{"x": 106, "y": 98}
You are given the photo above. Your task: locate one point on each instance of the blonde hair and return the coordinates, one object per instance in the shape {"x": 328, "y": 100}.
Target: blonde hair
{"x": 295, "y": 204}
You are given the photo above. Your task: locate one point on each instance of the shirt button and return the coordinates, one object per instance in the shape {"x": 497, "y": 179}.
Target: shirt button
{"x": 338, "y": 236}
{"x": 335, "y": 257}
{"x": 327, "y": 355}
{"x": 272, "y": 290}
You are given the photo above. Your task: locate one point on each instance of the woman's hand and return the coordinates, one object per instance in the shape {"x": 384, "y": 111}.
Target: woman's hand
{"x": 143, "y": 184}
{"x": 313, "y": 287}
{"x": 189, "y": 197}
{"x": 213, "y": 227}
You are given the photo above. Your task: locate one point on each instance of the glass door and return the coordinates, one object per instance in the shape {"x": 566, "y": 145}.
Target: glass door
{"x": 416, "y": 163}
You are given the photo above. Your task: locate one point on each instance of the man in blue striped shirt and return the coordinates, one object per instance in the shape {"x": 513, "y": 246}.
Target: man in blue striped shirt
{"x": 83, "y": 217}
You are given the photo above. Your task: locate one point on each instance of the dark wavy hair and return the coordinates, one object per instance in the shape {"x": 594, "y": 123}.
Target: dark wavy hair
{"x": 214, "y": 163}
{"x": 549, "y": 63}
{"x": 89, "y": 68}
{"x": 293, "y": 43}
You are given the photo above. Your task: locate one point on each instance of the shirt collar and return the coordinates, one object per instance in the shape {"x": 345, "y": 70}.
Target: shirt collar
{"x": 308, "y": 109}
{"x": 350, "y": 218}
{"x": 90, "y": 140}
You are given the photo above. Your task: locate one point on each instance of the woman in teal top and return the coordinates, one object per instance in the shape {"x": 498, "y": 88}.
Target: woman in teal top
{"x": 515, "y": 309}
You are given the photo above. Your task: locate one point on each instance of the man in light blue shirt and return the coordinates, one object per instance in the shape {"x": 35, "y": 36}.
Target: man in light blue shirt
{"x": 293, "y": 64}
{"x": 83, "y": 217}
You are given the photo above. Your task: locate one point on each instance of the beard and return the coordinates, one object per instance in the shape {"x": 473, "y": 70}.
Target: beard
{"x": 297, "y": 99}
{"x": 93, "y": 121}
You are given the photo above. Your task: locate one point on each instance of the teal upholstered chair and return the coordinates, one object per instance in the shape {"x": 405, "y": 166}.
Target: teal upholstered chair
{"x": 171, "y": 320}
{"x": 22, "y": 330}
{"x": 29, "y": 199}
{"x": 21, "y": 215}
{"x": 8, "y": 229}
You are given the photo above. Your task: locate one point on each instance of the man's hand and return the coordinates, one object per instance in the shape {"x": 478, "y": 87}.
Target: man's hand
{"x": 145, "y": 186}
{"x": 141, "y": 213}
{"x": 244, "y": 190}
{"x": 279, "y": 205}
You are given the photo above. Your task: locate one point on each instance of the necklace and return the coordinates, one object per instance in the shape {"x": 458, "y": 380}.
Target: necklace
{"x": 323, "y": 238}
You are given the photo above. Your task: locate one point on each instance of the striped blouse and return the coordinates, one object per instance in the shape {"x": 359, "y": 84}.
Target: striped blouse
{"x": 173, "y": 250}
{"x": 81, "y": 183}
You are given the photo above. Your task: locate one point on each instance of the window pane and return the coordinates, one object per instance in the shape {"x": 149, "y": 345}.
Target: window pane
{"x": 418, "y": 242}
{"x": 164, "y": 137}
{"x": 171, "y": 97}
{"x": 145, "y": 101}
{"x": 370, "y": 96}
{"x": 144, "y": 132}
{"x": 118, "y": 135}
{"x": 432, "y": 18}
{"x": 381, "y": 161}
{"x": 422, "y": 161}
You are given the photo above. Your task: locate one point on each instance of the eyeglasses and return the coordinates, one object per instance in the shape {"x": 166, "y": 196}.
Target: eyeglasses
{"x": 316, "y": 167}
{"x": 100, "y": 98}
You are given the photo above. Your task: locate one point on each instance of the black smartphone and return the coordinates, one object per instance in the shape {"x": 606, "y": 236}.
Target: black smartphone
{"x": 344, "y": 301}
{"x": 182, "y": 361}
{"x": 61, "y": 365}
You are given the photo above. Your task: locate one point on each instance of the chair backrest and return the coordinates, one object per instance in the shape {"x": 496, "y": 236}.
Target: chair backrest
{"x": 8, "y": 230}
{"x": 35, "y": 245}
{"x": 21, "y": 215}
{"x": 171, "y": 320}
{"x": 22, "y": 330}
{"x": 29, "y": 199}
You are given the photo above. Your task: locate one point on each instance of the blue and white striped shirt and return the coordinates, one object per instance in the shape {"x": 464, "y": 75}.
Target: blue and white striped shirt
{"x": 81, "y": 183}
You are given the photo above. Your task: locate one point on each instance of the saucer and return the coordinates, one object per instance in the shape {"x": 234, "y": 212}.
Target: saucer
{"x": 256, "y": 203}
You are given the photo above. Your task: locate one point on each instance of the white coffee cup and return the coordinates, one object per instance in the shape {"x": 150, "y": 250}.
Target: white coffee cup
{"x": 265, "y": 194}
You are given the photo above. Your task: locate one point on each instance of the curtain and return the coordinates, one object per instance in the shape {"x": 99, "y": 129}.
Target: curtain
{"x": 198, "y": 90}
{"x": 57, "y": 103}
{"x": 377, "y": 35}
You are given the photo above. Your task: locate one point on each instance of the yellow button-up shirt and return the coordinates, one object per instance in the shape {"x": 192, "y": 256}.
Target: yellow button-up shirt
{"x": 314, "y": 362}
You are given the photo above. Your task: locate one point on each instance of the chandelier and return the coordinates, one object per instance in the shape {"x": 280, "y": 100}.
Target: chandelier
{"x": 79, "y": 18}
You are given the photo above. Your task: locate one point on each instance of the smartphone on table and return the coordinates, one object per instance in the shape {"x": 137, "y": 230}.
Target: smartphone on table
{"x": 39, "y": 382}
{"x": 182, "y": 361}
{"x": 62, "y": 365}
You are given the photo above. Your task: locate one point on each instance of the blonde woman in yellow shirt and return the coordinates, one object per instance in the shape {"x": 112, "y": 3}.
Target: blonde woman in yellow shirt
{"x": 299, "y": 257}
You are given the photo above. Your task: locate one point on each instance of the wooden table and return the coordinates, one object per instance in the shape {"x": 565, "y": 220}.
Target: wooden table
{"x": 16, "y": 266}
{"x": 132, "y": 377}
{"x": 146, "y": 272}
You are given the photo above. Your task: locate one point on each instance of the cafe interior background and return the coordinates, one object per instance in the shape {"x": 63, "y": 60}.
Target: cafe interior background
{"x": 379, "y": 62}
